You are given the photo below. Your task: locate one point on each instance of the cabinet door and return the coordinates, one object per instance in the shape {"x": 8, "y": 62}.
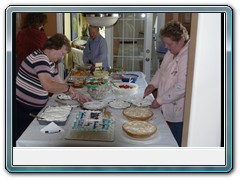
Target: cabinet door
{"x": 50, "y": 28}
{"x": 184, "y": 18}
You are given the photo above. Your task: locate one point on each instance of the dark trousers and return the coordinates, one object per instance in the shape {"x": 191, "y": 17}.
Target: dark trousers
{"x": 176, "y": 128}
{"x": 22, "y": 119}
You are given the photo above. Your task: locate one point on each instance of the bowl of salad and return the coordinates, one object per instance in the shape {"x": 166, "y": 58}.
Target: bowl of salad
{"x": 98, "y": 88}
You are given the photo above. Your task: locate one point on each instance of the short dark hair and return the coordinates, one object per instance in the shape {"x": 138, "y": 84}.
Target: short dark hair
{"x": 34, "y": 19}
{"x": 175, "y": 31}
{"x": 57, "y": 41}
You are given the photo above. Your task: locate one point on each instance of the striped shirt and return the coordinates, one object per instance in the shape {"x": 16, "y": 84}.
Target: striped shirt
{"x": 29, "y": 90}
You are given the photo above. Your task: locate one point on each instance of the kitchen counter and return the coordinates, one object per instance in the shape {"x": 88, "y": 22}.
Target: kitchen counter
{"x": 33, "y": 137}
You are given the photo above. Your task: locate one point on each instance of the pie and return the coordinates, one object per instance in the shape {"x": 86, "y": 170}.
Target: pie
{"x": 139, "y": 129}
{"x": 137, "y": 113}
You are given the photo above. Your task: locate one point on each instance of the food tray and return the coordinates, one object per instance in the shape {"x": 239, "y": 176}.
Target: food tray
{"x": 57, "y": 110}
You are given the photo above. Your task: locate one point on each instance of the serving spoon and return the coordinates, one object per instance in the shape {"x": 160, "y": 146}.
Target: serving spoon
{"x": 35, "y": 116}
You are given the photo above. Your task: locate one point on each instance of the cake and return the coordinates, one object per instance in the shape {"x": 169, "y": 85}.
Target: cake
{"x": 91, "y": 121}
{"x": 137, "y": 113}
{"x": 139, "y": 129}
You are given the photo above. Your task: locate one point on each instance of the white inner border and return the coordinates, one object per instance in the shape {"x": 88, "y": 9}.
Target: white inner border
{"x": 119, "y": 156}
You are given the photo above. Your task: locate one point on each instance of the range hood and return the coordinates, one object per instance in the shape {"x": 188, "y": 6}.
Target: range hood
{"x": 101, "y": 19}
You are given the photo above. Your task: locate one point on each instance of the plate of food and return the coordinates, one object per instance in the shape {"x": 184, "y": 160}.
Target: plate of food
{"x": 63, "y": 96}
{"x": 141, "y": 102}
{"x": 94, "y": 105}
{"x": 119, "y": 104}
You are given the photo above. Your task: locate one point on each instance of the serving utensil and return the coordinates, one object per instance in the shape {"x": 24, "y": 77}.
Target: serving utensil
{"x": 35, "y": 116}
{"x": 130, "y": 80}
{"x": 114, "y": 84}
{"x": 60, "y": 102}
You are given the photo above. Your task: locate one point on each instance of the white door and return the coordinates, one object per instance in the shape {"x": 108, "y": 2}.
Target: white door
{"x": 132, "y": 43}
{"x": 148, "y": 49}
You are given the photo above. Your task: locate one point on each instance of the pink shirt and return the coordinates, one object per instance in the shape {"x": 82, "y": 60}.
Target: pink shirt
{"x": 170, "y": 79}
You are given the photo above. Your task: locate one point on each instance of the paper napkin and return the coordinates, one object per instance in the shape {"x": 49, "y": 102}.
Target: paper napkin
{"x": 52, "y": 128}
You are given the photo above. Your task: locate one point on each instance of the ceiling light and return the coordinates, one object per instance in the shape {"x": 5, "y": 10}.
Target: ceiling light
{"x": 101, "y": 19}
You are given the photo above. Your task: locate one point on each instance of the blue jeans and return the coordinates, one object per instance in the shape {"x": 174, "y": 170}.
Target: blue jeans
{"x": 176, "y": 128}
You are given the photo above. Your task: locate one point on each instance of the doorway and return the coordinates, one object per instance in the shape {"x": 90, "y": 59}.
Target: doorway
{"x": 136, "y": 45}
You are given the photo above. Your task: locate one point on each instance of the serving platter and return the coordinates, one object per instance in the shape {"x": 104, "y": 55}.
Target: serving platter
{"x": 94, "y": 105}
{"x": 140, "y": 102}
{"x": 119, "y": 104}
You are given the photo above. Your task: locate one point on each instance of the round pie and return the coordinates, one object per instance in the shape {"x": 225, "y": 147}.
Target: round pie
{"x": 139, "y": 129}
{"x": 137, "y": 113}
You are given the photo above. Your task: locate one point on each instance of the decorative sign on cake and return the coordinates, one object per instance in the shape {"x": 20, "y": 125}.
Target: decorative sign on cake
{"x": 92, "y": 125}
{"x": 91, "y": 121}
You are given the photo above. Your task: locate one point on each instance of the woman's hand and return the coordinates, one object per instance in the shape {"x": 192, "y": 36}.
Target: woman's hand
{"x": 75, "y": 94}
{"x": 155, "y": 104}
{"x": 80, "y": 97}
{"x": 149, "y": 89}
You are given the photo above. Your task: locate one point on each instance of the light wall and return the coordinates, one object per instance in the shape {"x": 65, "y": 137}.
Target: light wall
{"x": 204, "y": 129}
{"x": 67, "y": 25}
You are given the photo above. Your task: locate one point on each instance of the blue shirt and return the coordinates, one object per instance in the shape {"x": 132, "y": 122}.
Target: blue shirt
{"x": 96, "y": 51}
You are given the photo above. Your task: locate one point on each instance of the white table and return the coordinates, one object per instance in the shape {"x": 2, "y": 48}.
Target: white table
{"x": 33, "y": 137}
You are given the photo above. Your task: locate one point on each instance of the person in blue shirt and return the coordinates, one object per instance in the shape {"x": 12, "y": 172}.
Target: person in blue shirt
{"x": 96, "y": 49}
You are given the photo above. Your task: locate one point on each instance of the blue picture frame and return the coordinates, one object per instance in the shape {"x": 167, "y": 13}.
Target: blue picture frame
{"x": 74, "y": 25}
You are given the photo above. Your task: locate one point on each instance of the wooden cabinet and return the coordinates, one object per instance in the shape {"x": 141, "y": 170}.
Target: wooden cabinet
{"x": 184, "y": 18}
{"x": 50, "y": 28}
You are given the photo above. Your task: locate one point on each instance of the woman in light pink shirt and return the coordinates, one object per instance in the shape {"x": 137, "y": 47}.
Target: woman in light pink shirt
{"x": 170, "y": 78}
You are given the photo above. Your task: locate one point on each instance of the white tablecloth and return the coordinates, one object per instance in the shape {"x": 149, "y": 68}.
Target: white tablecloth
{"x": 33, "y": 137}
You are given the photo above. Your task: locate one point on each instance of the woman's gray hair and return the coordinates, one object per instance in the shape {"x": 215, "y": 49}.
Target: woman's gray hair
{"x": 175, "y": 31}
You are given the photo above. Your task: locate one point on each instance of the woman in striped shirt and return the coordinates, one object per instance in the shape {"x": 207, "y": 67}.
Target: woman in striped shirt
{"x": 37, "y": 77}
